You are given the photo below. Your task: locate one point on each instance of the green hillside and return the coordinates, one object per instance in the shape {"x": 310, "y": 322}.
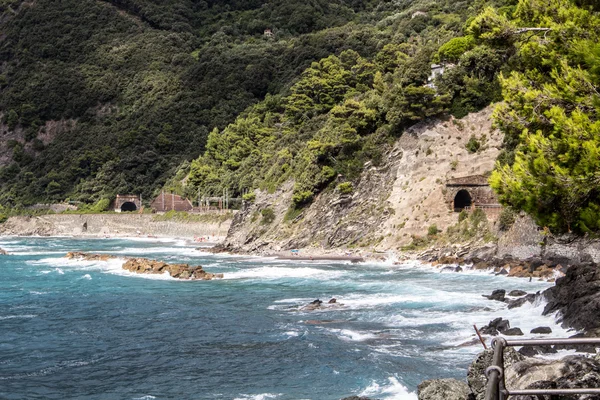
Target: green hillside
{"x": 141, "y": 83}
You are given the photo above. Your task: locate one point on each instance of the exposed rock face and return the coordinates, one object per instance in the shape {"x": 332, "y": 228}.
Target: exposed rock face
{"x": 145, "y": 266}
{"x": 444, "y": 389}
{"x": 577, "y": 297}
{"x": 476, "y": 374}
{"x": 180, "y": 271}
{"x": 567, "y": 373}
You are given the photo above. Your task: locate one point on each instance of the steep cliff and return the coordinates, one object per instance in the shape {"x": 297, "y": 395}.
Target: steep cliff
{"x": 401, "y": 197}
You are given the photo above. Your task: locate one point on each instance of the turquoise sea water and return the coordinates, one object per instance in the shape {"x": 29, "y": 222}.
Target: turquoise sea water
{"x": 89, "y": 330}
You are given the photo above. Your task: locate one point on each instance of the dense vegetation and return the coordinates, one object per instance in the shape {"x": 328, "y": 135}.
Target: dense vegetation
{"x": 347, "y": 108}
{"x": 551, "y": 110}
{"x": 145, "y": 81}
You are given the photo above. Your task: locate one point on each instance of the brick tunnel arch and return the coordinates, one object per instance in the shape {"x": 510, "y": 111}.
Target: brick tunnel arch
{"x": 128, "y": 206}
{"x": 462, "y": 199}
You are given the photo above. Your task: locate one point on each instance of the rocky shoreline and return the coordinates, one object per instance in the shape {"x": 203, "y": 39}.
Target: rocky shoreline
{"x": 146, "y": 266}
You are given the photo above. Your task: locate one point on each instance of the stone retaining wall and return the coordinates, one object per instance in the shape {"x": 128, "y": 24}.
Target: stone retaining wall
{"x": 110, "y": 224}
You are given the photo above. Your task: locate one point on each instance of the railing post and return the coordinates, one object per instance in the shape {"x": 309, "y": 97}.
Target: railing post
{"x": 495, "y": 372}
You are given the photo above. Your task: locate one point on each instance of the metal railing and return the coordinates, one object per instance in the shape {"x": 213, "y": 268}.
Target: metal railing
{"x": 496, "y": 386}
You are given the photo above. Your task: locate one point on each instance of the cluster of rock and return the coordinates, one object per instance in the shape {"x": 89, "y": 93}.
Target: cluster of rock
{"x": 180, "y": 271}
{"x": 320, "y": 305}
{"x": 146, "y": 266}
{"x": 516, "y": 297}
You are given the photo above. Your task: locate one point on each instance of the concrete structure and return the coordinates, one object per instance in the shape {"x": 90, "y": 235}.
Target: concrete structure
{"x": 128, "y": 202}
{"x": 470, "y": 192}
{"x": 171, "y": 202}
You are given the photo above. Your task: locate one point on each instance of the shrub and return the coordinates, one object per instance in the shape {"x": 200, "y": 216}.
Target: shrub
{"x": 463, "y": 215}
{"x": 249, "y": 197}
{"x": 268, "y": 216}
{"x": 506, "y": 218}
{"x": 345, "y": 188}
{"x": 433, "y": 230}
{"x": 301, "y": 198}
{"x": 473, "y": 145}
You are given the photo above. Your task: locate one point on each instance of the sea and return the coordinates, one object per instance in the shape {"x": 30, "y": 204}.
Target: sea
{"x": 90, "y": 330}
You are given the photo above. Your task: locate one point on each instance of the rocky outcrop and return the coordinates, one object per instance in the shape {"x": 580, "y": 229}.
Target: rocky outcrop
{"x": 146, "y": 266}
{"x": 78, "y": 255}
{"x": 180, "y": 271}
{"x": 320, "y": 305}
{"x": 476, "y": 373}
{"x": 576, "y": 297}
{"x": 444, "y": 389}
{"x": 568, "y": 373}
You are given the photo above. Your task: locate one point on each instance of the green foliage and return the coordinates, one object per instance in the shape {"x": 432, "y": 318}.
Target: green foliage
{"x": 345, "y": 188}
{"x": 473, "y": 145}
{"x": 268, "y": 216}
{"x": 506, "y": 219}
{"x": 550, "y": 116}
{"x": 453, "y": 49}
{"x": 432, "y": 230}
{"x": 249, "y": 197}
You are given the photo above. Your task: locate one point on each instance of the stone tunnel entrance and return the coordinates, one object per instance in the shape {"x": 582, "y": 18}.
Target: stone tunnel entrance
{"x": 461, "y": 200}
{"x": 128, "y": 206}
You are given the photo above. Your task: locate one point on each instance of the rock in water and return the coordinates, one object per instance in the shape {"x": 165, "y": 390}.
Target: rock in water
{"x": 443, "y": 389}
{"x": 3, "y": 252}
{"x": 513, "y": 332}
{"x": 517, "y": 293}
{"x": 88, "y": 257}
{"x": 180, "y": 271}
{"x": 541, "y": 330}
{"x": 577, "y": 297}
{"x": 497, "y": 295}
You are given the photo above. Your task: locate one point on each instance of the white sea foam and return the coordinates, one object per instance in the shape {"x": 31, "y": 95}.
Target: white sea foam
{"x": 353, "y": 336}
{"x": 86, "y": 276}
{"x": 283, "y": 272}
{"x": 59, "y": 271}
{"x": 391, "y": 390}
{"x": 147, "y": 397}
{"x": 3, "y": 317}
{"x": 263, "y": 396}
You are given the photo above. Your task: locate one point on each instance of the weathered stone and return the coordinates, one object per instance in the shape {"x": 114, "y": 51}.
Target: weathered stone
{"x": 179, "y": 271}
{"x": 88, "y": 257}
{"x": 567, "y": 373}
{"x": 497, "y": 295}
{"x": 530, "y": 351}
{"x": 517, "y": 293}
{"x": 476, "y": 373}
{"x": 541, "y": 330}
{"x": 577, "y": 297}
{"x": 495, "y": 326}
{"x": 443, "y": 389}
{"x": 513, "y": 332}
{"x": 530, "y": 298}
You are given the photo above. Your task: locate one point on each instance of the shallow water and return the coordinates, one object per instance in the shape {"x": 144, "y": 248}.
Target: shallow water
{"x": 89, "y": 330}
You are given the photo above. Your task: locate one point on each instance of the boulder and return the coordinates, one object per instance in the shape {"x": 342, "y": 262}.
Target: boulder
{"x": 451, "y": 269}
{"x": 529, "y": 298}
{"x": 498, "y": 295}
{"x": 517, "y": 293}
{"x": 530, "y": 351}
{"x": 443, "y": 389}
{"x": 3, "y": 252}
{"x": 476, "y": 374}
{"x": 541, "y": 330}
{"x": 567, "y": 373}
{"x": 513, "y": 332}
{"x": 502, "y": 272}
{"x": 495, "y": 326}
{"x": 576, "y": 297}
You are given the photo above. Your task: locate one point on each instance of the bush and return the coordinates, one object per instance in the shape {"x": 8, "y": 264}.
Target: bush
{"x": 463, "y": 215}
{"x": 506, "y": 218}
{"x": 249, "y": 197}
{"x": 473, "y": 145}
{"x": 433, "y": 230}
{"x": 268, "y": 216}
{"x": 345, "y": 188}
{"x": 302, "y": 198}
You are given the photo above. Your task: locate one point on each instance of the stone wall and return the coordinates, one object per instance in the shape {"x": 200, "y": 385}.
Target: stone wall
{"x": 110, "y": 224}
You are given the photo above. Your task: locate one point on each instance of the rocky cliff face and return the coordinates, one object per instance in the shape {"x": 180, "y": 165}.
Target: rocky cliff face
{"x": 402, "y": 196}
